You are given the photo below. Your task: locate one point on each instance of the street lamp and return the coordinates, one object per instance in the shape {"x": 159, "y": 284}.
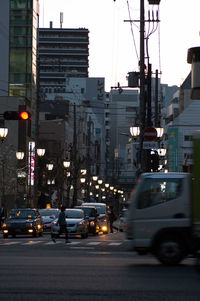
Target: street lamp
{"x": 20, "y": 155}
{"x": 94, "y": 178}
{"x": 135, "y": 131}
{"x": 3, "y": 133}
{"x": 160, "y": 132}
{"x": 49, "y": 166}
{"x": 40, "y": 152}
{"x": 66, "y": 164}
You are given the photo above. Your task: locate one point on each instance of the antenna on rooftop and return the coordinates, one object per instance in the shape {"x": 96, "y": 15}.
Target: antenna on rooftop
{"x": 61, "y": 19}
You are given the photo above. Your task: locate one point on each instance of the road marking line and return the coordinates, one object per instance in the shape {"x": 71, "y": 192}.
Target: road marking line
{"x": 53, "y": 243}
{"x": 94, "y": 243}
{"x": 10, "y": 243}
{"x": 114, "y": 243}
{"x": 82, "y": 248}
{"x": 31, "y": 242}
{"x": 74, "y": 243}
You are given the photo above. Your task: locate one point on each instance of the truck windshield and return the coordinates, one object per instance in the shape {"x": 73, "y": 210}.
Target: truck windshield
{"x": 156, "y": 191}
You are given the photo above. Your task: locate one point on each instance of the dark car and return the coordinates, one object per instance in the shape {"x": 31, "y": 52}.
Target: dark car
{"x": 23, "y": 221}
{"x": 103, "y": 215}
{"x": 92, "y": 215}
{"x": 48, "y": 216}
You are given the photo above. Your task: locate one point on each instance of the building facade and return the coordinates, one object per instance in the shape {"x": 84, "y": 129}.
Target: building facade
{"x": 63, "y": 53}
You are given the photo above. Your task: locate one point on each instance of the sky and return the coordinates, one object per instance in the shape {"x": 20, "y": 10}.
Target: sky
{"x": 114, "y": 44}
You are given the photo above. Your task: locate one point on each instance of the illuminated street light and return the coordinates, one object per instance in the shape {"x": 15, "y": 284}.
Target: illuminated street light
{"x": 3, "y": 133}
{"x": 49, "y": 166}
{"x": 95, "y": 178}
{"x": 20, "y": 155}
{"x": 40, "y": 152}
{"x": 135, "y": 131}
{"x": 160, "y": 132}
{"x": 82, "y": 180}
{"x": 66, "y": 164}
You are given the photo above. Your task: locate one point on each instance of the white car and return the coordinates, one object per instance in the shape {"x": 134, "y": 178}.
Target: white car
{"x": 77, "y": 224}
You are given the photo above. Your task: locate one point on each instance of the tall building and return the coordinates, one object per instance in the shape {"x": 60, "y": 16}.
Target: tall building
{"x": 23, "y": 47}
{"x": 63, "y": 53}
{"x": 18, "y": 35}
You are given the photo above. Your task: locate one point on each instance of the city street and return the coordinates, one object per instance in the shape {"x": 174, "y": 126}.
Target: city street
{"x": 96, "y": 268}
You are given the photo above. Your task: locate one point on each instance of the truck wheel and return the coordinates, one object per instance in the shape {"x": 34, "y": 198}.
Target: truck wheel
{"x": 170, "y": 251}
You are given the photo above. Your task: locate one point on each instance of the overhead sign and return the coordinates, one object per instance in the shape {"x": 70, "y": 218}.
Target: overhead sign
{"x": 150, "y": 134}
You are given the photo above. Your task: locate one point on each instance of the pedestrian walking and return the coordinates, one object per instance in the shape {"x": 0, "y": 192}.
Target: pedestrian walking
{"x": 112, "y": 218}
{"x": 63, "y": 225}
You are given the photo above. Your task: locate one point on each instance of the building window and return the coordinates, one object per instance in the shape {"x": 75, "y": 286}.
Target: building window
{"x": 188, "y": 138}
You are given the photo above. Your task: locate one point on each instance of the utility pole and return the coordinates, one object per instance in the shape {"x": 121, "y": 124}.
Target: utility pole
{"x": 88, "y": 175}
{"x": 142, "y": 82}
{"x": 74, "y": 155}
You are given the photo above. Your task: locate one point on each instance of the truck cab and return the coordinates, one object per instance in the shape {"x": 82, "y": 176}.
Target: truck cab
{"x": 159, "y": 218}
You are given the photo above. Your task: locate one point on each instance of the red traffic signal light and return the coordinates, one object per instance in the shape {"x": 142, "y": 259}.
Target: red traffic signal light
{"x": 16, "y": 115}
{"x": 24, "y": 115}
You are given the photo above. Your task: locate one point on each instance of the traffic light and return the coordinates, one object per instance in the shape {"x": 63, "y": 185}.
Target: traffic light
{"x": 16, "y": 115}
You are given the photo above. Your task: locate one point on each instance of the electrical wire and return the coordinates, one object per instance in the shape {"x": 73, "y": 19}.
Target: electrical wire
{"x": 159, "y": 55}
{"x": 131, "y": 24}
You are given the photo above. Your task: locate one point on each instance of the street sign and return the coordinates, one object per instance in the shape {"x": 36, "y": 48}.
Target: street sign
{"x": 150, "y": 134}
{"x": 150, "y": 145}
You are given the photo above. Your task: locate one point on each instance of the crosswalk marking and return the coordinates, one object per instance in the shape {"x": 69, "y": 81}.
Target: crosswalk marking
{"x": 10, "y": 243}
{"x": 94, "y": 243}
{"x": 31, "y": 242}
{"x": 71, "y": 244}
{"x": 114, "y": 243}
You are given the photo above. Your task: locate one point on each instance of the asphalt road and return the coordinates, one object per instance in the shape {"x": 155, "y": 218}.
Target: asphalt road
{"x": 97, "y": 268}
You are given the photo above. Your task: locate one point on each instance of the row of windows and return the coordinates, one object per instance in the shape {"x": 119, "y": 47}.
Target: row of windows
{"x": 188, "y": 138}
{"x": 21, "y": 4}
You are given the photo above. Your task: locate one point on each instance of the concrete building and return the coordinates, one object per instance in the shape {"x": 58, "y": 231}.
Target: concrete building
{"x": 19, "y": 20}
{"x": 123, "y": 114}
{"x": 63, "y": 53}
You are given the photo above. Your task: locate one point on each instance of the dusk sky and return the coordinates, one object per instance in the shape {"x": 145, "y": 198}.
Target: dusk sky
{"x": 114, "y": 45}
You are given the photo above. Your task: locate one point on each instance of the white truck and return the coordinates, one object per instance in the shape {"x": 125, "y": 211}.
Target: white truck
{"x": 164, "y": 216}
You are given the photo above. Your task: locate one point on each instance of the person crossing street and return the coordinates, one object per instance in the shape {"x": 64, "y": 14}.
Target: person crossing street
{"x": 62, "y": 224}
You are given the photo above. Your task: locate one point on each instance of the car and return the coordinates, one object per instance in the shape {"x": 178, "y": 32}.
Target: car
{"x": 103, "y": 215}
{"x": 91, "y": 214}
{"x": 77, "y": 224}
{"x": 48, "y": 216}
{"x": 23, "y": 221}
{"x": 119, "y": 223}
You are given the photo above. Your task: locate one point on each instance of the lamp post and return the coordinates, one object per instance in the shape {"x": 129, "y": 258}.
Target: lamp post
{"x": 3, "y": 135}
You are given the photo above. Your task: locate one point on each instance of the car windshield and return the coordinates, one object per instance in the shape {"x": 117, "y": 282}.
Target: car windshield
{"x": 21, "y": 214}
{"x": 88, "y": 211}
{"x": 100, "y": 209}
{"x": 74, "y": 214}
{"x": 46, "y": 212}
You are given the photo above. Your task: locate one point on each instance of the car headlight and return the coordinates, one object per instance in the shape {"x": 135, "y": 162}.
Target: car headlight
{"x": 104, "y": 228}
